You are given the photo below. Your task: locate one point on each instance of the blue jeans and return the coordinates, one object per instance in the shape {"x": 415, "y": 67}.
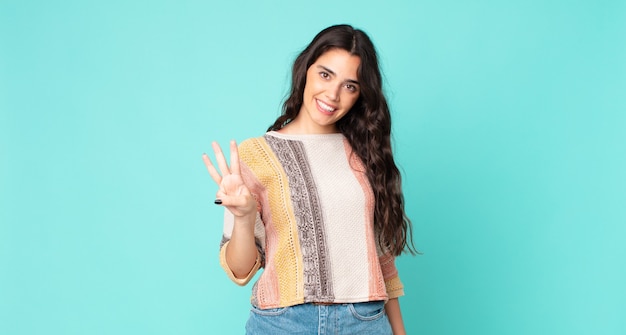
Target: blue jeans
{"x": 358, "y": 318}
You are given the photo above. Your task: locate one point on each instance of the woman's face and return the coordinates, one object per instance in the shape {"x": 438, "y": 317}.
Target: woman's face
{"x": 331, "y": 89}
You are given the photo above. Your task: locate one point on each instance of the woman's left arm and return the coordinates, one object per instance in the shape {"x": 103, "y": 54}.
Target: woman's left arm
{"x": 392, "y": 308}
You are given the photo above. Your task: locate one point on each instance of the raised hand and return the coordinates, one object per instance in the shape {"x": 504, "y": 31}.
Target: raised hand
{"x": 232, "y": 192}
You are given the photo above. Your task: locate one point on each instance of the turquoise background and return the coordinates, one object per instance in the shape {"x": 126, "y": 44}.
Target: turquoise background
{"x": 510, "y": 122}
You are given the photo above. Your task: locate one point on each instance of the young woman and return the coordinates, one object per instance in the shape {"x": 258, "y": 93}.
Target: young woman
{"x": 317, "y": 200}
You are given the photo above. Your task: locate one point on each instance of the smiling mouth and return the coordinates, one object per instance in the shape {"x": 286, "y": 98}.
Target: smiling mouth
{"x": 326, "y": 108}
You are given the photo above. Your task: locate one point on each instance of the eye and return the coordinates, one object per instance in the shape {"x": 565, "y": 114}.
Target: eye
{"x": 351, "y": 88}
{"x": 324, "y": 75}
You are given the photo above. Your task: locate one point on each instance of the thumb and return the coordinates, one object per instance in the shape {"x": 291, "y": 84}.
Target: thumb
{"x": 239, "y": 201}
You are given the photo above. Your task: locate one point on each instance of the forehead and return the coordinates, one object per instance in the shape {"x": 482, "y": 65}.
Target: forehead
{"x": 340, "y": 61}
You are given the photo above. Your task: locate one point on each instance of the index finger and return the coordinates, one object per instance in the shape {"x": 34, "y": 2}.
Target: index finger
{"x": 212, "y": 171}
{"x": 234, "y": 158}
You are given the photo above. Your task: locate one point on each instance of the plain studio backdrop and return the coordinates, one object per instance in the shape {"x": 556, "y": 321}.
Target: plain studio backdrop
{"x": 509, "y": 127}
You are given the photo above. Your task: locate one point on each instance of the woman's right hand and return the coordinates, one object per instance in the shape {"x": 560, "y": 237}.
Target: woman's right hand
{"x": 232, "y": 192}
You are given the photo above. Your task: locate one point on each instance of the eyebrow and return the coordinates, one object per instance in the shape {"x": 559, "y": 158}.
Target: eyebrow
{"x": 352, "y": 81}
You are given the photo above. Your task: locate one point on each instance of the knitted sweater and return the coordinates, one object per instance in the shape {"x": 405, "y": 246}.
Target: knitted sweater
{"x": 314, "y": 228}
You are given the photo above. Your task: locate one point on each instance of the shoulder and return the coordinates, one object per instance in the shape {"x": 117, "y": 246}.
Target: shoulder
{"x": 258, "y": 143}
{"x": 251, "y": 142}
{"x": 250, "y": 149}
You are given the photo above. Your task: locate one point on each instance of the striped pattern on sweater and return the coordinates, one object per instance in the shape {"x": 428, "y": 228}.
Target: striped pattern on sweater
{"x": 314, "y": 227}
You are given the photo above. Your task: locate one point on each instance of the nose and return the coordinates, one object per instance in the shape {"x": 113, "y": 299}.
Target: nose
{"x": 332, "y": 93}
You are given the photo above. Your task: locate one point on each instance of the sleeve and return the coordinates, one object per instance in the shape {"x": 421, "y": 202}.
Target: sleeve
{"x": 394, "y": 286}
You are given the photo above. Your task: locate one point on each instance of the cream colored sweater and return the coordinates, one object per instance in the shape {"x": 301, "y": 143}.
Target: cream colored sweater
{"x": 314, "y": 228}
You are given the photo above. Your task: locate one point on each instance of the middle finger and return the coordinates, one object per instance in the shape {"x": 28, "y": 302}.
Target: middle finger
{"x": 221, "y": 160}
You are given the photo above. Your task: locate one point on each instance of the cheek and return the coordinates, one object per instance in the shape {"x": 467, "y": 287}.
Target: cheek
{"x": 351, "y": 99}
{"x": 315, "y": 85}
{"x": 310, "y": 87}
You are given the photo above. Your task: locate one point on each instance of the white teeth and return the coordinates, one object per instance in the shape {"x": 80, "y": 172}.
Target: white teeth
{"x": 325, "y": 106}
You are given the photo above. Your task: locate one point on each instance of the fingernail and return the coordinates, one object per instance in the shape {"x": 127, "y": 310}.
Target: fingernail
{"x": 218, "y": 201}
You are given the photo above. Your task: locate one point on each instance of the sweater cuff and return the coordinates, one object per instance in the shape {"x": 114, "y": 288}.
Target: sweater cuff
{"x": 395, "y": 288}
{"x": 229, "y": 272}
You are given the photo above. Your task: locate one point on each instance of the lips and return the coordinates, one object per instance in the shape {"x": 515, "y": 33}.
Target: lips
{"x": 325, "y": 108}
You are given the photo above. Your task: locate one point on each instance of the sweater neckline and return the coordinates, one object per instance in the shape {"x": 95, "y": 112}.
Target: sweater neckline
{"x": 333, "y": 136}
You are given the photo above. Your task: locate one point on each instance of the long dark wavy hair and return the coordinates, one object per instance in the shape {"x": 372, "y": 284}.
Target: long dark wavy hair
{"x": 367, "y": 127}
